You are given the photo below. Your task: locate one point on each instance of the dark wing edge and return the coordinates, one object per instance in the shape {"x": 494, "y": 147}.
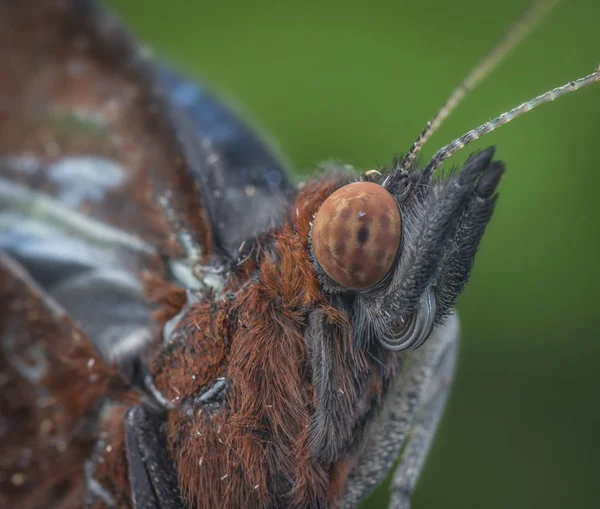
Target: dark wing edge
{"x": 249, "y": 187}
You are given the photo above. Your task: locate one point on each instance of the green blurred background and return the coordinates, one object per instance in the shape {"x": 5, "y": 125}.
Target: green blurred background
{"x": 357, "y": 81}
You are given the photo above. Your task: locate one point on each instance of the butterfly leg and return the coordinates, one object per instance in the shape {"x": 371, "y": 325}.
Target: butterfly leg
{"x": 427, "y": 418}
{"x": 151, "y": 473}
{"x": 407, "y": 421}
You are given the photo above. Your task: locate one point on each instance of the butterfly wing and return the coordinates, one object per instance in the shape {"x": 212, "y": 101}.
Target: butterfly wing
{"x": 248, "y": 186}
{"x": 51, "y": 380}
{"x": 111, "y": 168}
{"x": 111, "y": 165}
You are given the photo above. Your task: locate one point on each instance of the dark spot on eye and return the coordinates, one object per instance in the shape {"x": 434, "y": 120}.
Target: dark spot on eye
{"x": 356, "y": 268}
{"x": 340, "y": 248}
{"x": 380, "y": 257}
{"x": 363, "y": 235}
{"x": 384, "y": 221}
{"x": 342, "y": 233}
{"x": 345, "y": 214}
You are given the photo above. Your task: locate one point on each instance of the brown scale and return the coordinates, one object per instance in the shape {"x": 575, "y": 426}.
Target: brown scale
{"x": 356, "y": 235}
{"x": 49, "y": 420}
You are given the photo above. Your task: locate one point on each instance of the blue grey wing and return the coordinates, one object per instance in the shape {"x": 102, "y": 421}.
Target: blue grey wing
{"x": 249, "y": 188}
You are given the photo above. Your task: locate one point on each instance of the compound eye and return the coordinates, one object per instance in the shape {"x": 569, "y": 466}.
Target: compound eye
{"x": 356, "y": 235}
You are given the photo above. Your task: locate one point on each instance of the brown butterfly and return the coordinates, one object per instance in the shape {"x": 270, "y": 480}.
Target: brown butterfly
{"x": 183, "y": 327}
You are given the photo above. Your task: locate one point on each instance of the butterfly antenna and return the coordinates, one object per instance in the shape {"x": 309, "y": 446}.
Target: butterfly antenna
{"x": 447, "y": 151}
{"x": 524, "y": 25}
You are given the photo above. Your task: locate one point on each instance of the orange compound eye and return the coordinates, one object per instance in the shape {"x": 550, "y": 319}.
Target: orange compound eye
{"x": 356, "y": 235}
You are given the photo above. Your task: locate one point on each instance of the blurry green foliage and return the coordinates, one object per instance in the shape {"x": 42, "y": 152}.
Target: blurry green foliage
{"x": 357, "y": 81}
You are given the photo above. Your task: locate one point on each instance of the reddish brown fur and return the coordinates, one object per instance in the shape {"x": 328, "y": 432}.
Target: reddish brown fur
{"x": 183, "y": 367}
{"x": 243, "y": 455}
{"x": 337, "y": 478}
{"x": 167, "y": 298}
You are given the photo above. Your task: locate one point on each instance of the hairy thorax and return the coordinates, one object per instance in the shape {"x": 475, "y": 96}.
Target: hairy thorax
{"x": 239, "y": 368}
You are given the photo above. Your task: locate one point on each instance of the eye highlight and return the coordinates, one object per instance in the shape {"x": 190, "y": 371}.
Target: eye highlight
{"x": 356, "y": 235}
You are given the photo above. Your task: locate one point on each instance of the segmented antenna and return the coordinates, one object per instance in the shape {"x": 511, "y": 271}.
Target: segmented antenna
{"x": 447, "y": 151}
{"x": 524, "y": 25}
